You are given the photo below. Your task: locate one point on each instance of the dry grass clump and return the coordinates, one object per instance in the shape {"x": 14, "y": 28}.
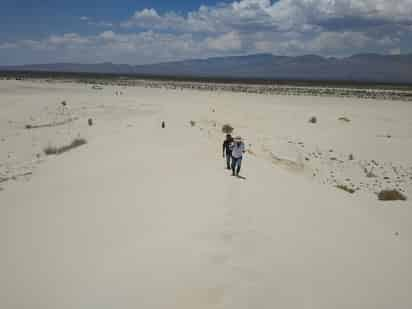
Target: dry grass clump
{"x": 50, "y": 125}
{"x": 313, "y": 119}
{"x": 391, "y": 195}
{"x": 227, "y": 129}
{"x": 346, "y": 188}
{"x": 345, "y": 119}
{"x": 50, "y": 150}
{"x": 370, "y": 174}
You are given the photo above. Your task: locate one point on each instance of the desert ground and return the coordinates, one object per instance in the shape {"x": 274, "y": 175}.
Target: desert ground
{"x": 148, "y": 217}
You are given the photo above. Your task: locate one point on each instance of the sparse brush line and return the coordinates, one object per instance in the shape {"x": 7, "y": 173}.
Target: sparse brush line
{"x": 49, "y": 125}
{"x": 14, "y": 177}
{"x": 50, "y": 150}
{"x": 346, "y": 188}
{"x": 292, "y": 165}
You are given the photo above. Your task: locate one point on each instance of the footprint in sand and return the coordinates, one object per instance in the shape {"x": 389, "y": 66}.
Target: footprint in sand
{"x": 201, "y": 297}
{"x": 227, "y": 237}
{"x": 219, "y": 259}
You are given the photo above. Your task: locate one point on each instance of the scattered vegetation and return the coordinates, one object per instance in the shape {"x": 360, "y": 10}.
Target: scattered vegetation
{"x": 227, "y": 129}
{"x": 50, "y": 150}
{"x": 50, "y": 125}
{"x": 345, "y": 119}
{"x": 313, "y": 120}
{"x": 370, "y": 173}
{"x": 192, "y": 123}
{"x": 346, "y": 188}
{"x": 351, "y": 157}
{"x": 391, "y": 195}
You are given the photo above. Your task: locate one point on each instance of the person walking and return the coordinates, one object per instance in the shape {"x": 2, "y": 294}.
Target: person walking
{"x": 227, "y": 151}
{"x": 238, "y": 149}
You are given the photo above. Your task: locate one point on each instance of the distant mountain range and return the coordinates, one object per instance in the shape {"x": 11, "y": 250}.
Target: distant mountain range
{"x": 357, "y": 68}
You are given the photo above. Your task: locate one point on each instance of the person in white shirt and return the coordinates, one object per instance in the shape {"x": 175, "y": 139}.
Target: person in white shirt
{"x": 238, "y": 149}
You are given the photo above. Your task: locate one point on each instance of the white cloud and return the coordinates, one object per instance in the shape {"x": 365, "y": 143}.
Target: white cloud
{"x": 91, "y": 22}
{"x": 7, "y": 45}
{"x": 107, "y": 35}
{"x": 287, "y": 27}
{"x": 230, "y": 41}
{"x": 67, "y": 38}
{"x": 103, "y": 24}
{"x": 283, "y": 15}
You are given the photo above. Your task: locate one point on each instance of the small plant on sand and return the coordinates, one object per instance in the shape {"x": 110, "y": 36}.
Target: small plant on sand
{"x": 50, "y": 150}
{"x": 370, "y": 173}
{"x": 346, "y": 188}
{"x": 227, "y": 129}
{"x": 391, "y": 195}
{"x": 313, "y": 120}
{"x": 351, "y": 157}
{"x": 344, "y": 119}
{"x": 192, "y": 123}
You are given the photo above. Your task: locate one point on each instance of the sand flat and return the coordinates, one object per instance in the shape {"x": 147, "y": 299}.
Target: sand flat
{"x": 144, "y": 217}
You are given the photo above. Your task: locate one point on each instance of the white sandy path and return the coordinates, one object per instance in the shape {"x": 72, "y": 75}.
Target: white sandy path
{"x": 149, "y": 219}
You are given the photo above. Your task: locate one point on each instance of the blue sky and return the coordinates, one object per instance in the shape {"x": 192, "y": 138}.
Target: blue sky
{"x": 137, "y": 32}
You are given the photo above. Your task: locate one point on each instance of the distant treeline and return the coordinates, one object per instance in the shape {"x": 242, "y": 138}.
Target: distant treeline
{"x": 97, "y": 78}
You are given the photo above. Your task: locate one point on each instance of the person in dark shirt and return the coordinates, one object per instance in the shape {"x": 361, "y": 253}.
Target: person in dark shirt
{"x": 227, "y": 151}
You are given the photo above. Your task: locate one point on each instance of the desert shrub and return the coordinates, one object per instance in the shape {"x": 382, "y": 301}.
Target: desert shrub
{"x": 346, "y": 188}
{"x": 391, "y": 195}
{"x": 351, "y": 157}
{"x": 345, "y": 119}
{"x": 227, "y": 129}
{"x": 370, "y": 174}
{"x": 51, "y": 150}
{"x": 192, "y": 123}
{"x": 313, "y": 119}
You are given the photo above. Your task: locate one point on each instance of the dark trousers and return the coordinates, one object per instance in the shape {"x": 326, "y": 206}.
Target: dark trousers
{"x": 236, "y": 165}
{"x": 228, "y": 159}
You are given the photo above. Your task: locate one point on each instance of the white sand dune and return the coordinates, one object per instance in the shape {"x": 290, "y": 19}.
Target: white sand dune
{"x": 144, "y": 217}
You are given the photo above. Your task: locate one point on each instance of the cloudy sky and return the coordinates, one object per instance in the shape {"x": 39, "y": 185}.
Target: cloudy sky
{"x": 139, "y": 32}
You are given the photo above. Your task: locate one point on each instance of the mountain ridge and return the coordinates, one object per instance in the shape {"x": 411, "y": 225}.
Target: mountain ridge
{"x": 359, "y": 67}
